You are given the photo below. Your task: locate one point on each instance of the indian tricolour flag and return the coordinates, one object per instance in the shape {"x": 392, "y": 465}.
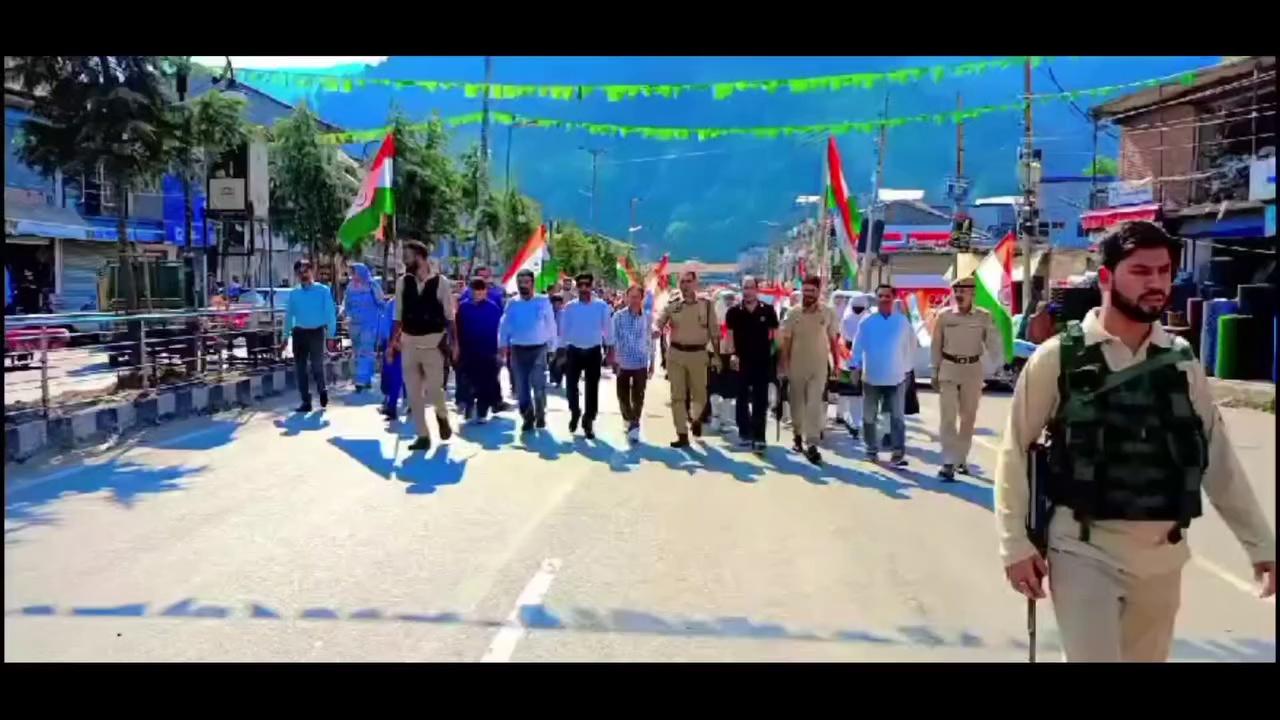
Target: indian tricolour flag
{"x": 529, "y": 258}
{"x": 374, "y": 201}
{"x": 994, "y": 279}
{"x": 843, "y": 213}
{"x": 623, "y": 273}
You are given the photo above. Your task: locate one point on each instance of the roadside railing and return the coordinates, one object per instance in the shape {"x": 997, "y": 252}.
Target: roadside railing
{"x": 54, "y": 361}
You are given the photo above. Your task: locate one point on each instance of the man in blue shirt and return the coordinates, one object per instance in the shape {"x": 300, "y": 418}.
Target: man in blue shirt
{"x": 585, "y": 333}
{"x": 883, "y": 352}
{"x": 310, "y": 319}
{"x": 477, "y": 320}
{"x": 526, "y": 333}
{"x": 632, "y": 358}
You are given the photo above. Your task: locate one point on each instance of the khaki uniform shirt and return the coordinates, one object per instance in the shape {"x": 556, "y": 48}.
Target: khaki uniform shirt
{"x": 811, "y": 333}
{"x": 964, "y": 335}
{"x": 1139, "y": 547}
{"x": 692, "y": 323}
{"x": 444, "y": 293}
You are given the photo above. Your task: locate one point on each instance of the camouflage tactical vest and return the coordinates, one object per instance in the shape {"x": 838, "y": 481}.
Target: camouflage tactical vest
{"x": 1126, "y": 448}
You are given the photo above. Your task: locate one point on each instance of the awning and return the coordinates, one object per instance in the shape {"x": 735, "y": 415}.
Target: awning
{"x": 44, "y": 221}
{"x": 1106, "y": 217}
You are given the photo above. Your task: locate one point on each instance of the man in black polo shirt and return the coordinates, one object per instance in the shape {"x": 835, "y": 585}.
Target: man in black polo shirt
{"x": 752, "y": 325}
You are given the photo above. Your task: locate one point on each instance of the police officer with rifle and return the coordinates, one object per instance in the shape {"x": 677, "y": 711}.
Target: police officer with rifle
{"x": 1133, "y": 438}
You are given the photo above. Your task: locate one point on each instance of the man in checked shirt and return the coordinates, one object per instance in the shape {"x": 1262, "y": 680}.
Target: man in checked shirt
{"x": 632, "y": 358}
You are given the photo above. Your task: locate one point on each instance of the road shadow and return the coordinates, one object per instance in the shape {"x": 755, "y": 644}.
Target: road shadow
{"x": 542, "y": 443}
{"x": 426, "y": 472}
{"x": 359, "y": 399}
{"x": 979, "y": 495}
{"x": 497, "y": 433}
{"x": 686, "y": 460}
{"x": 368, "y": 452}
{"x": 298, "y": 423}
{"x": 213, "y": 434}
{"x": 124, "y": 482}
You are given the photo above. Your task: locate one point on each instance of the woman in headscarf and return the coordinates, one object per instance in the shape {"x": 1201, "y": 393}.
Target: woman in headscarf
{"x": 362, "y": 306}
{"x": 392, "y": 375}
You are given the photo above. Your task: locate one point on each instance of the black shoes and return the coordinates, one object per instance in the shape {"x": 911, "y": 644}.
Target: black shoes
{"x": 797, "y": 444}
{"x": 964, "y": 469}
{"x": 696, "y": 429}
{"x": 324, "y": 399}
{"x": 527, "y": 426}
{"x": 541, "y": 422}
{"x": 947, "y": 473}
{"x": 422, "y": 443}
{"x": 588, "y": 431}
{"x": 758, "y": 447}
{"x": 304, "y": 408}
{"x": 573, "y": 423}
{"x": 681, "y": 441}
{"x": 813, "y": 455}
{"x": 446, "y": 431}
{"x": 897, "y": 460}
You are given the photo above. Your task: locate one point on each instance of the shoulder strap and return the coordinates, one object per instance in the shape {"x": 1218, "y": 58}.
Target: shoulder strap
{"x": 1113, "y": 380}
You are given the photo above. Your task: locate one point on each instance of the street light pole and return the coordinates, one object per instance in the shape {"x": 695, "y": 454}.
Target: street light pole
{"x": 595, "y": 157}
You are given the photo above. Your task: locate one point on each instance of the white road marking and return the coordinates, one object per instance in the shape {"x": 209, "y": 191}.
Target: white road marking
{"x": 988, "y": 445}
{"x": 513, "y": 630}
{"x": 1239, "y": 584}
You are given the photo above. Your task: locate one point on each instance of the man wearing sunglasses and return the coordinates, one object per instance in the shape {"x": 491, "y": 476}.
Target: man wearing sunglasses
{"x": 586, "y": 335}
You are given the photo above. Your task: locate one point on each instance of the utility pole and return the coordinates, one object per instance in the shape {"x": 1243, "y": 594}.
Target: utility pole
{"x": 1030, "y": 224}
{"x": 482, "y": 237}
{"x": 631, "y": 229}
{"x": 595, "y": 157}
{"x": 864, "y": 274}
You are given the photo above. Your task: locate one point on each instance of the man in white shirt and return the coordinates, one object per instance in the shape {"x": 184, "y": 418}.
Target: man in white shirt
{"x": 849, "y": 405}
{"x": 585, "y": 335}
{"x": 882, "y": 352}
{"x": 526, "y": 333}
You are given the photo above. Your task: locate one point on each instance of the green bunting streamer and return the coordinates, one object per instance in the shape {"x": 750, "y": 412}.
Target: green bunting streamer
{"x": 618, "y": 93}
{"x": 615, "y": 92}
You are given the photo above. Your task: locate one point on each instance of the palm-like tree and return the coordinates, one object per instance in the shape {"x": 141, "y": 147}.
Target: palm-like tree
{"x": 94, "y": 112}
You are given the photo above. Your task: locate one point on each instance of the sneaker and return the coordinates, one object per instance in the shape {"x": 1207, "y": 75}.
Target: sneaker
{"x": 303, "y": 408}
{"x": 422, "y": 443}
{"x": 573, "y": 423}
{"x": 527, "y": 426}
{"x": 681, "y": 441}
{"x": 947, "y": 473}
{"x": 324, "y": 399}
{"x": 446, "y": 431}
{"x": 541, "y": 422}
{"x": 898, "y": 461}
{"x": 813, "y": 455}
{"x": 696, "y": 429}
{"x": 965, "y": 469}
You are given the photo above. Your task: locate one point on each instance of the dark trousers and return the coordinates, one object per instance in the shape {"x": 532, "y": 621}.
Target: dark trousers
{"x": 631, "y": 385}
{"x": 308, "y": 355}
{"x": 753, "y": 402}
{"x": 478, "y": 382}
{"x": 581, "y": 362}
{"x": 555, "y": 366}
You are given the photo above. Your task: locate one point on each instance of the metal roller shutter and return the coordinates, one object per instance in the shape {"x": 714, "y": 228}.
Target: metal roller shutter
{"x": 81, "y": 261}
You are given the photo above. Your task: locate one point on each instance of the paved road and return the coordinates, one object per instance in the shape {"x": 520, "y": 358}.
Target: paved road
{"x": 265, "y": 536}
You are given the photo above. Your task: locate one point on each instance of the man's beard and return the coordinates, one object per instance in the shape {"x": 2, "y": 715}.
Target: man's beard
{"x": 411, "y": 267}
{"x": 1133, "y": 310}
{"x": 808, "y": 302}
{"x": 526, "y": 292}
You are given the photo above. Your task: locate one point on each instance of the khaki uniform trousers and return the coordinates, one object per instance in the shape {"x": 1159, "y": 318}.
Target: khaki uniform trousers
{"x": 808, "y": 408}
{"x": 688, "y": 373}
{"x": 958, "y": 399}
{"x": 424, "y": 377}
{"x": 1106, "y": 614}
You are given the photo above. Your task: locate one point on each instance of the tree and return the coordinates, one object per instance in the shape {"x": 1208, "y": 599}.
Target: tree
{"x": 97, "y": 112}
{"x": 207, "y": 126}
{"x": 308, "y": 198}
{"x": 520, "y": 216}
{"x": 572, "y": 249}
{"x": 1103, "y": 166}
{"x": 485, "y": 215}
{"x": 429, "y": 189}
